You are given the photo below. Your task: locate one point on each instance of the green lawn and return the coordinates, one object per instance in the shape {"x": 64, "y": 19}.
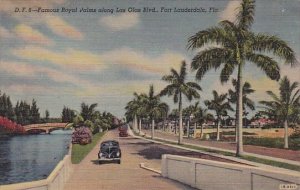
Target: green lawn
{"x": 80, "y": 151}
{"x": 294, "y": 143}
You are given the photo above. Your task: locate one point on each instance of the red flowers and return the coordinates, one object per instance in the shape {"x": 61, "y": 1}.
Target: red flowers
{"x": 11, "y": 127}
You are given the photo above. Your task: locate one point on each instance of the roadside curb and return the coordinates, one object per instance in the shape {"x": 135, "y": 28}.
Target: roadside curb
{"x": 242, "y": 161}
{"x": 142, "y": 165}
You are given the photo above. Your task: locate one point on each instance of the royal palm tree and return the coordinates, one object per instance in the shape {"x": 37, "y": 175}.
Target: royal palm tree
{"x": 154, "y": 107}
{"x": 247, "y": 102}
{"x": 135, "y": 109}
{"x": 220, "y": 105}
{"x": 179, "y": 87}
{"x": 236, "y": 46}
{"x": 285, "y": 105}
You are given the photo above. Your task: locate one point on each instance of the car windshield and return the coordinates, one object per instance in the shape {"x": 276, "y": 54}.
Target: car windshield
{"x": 110, "y": 143}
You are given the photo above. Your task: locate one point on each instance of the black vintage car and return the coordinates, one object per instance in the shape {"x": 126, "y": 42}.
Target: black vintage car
{"x": 109, "y": 151}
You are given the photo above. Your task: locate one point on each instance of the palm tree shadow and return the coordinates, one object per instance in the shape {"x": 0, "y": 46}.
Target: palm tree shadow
{"x": 155, "y": 152}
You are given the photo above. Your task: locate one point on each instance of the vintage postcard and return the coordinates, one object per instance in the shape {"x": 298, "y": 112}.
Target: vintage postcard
{"x": 150, "y": 94}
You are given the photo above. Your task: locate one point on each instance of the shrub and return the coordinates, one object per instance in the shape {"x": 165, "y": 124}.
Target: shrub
{"x": 82, "y": 135}
{"x": 10, "y": 127}
{"x": 296, "y": 133}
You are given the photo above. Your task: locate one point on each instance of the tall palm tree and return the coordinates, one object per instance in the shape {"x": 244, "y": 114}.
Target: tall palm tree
{"x": 247, "y": 102}
{"x": 201, "y": 116}
{"x": 179, "y": 87}
{"x": 220, "y": 106}
{"x": 285, "y": 105}
{"x": 236, "y": 46}
{"x": 154, "y": 107}
{"x": 134, "y": 109}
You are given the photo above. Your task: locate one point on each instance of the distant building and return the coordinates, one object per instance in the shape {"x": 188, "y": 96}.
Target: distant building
{"x": 262, "y": 122}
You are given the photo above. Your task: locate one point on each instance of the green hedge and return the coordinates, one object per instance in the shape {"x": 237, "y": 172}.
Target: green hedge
{"x": 79, "y": 152}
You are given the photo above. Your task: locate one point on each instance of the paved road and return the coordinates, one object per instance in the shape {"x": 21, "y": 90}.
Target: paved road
{"x": 89, "y": 175}
{"x": 272, "y": 152}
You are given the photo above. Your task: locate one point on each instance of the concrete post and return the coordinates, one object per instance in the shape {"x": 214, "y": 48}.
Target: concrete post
{"x": 164, "y": 166}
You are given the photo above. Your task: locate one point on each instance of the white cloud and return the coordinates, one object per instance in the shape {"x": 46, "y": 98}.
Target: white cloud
{"x": 87, "y": 61}
{"x": 62, "y": 28}
{"x": 119, "y": 22}
{"x": 230, "y": 11}
{"x": 36, "y": 72}
{"x": 139, "y": 61}
{"x": 5, "y": 33}
{"x": 28, "y": 34}
{"x": 70, "y": 58}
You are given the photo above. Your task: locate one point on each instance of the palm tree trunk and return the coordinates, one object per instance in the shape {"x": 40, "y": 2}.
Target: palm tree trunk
{"x": 152, "y": 129}
{"x": 218, "y": 129}
{"x": 239, "y": 123}
{"x": 140, "y": 125}
{"x": 180, "y": 120}
{"x": 201, "y": 133}
{"x": 195, "y": 127}
{"x": 188, "y": 128}
{"x": 236, "y": 126}
{"x": 135, "y": 123}
{"x": 286, "y": 134}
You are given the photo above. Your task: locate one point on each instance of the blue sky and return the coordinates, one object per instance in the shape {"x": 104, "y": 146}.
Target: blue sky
{"x": 65, "y": 59}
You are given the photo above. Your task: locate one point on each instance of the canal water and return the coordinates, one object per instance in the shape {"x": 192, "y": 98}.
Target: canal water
{"x": 31, "y": 157}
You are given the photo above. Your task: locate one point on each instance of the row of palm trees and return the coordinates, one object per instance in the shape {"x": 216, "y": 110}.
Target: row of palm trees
{"x": 229, "y": 46}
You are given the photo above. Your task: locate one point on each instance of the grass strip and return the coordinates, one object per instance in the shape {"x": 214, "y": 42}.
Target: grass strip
{"x": 249, "y": 158}
{"x": 79, "y": 152}
{"x": 272, "y": 163}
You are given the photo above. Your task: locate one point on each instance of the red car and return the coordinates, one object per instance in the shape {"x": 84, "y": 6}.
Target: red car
{"x": 123, "y": 131}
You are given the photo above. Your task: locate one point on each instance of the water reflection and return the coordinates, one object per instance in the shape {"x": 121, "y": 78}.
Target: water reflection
{"x": 31, "y": 157}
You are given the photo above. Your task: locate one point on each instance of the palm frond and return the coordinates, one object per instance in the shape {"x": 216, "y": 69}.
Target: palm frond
{"x": 194, "y": 85}
{"x": 208, "y": 59}
{"x": 183, "y": 73}
{"x": 245, "y": 16}
{"x": 268, "y": 43}
{"x": 211, "y": 35}
{"x": 267, "y": 64}
{"x": 273, "y": 95}
{"x": 227, "y": 72}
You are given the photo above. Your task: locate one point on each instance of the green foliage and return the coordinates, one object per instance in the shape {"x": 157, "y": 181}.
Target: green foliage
{"x": 6, "y": 107}
{"x": 34, "y": 113}
{"x": 23, "y": 113}
{"x": 67, "y": 115}
{"x": 286, "y": 106}
{"x": 219, "y": 104}
{"x": 294, "y": 143}
{"x": 47, "y": 115}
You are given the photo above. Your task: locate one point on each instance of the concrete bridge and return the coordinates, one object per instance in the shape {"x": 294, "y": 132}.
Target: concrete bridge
{"x": 44, "y": 127}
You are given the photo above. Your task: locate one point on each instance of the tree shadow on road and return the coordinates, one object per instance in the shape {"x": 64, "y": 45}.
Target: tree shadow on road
{"x": 155, "y": 152}
{"x": 139, "y": 143}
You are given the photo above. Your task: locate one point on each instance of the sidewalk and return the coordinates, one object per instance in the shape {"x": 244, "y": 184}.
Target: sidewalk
{"x": 275, "y": 154}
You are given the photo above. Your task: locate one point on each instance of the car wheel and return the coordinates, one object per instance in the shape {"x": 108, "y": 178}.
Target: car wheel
{"x": 119, "y": 161}
{"x": 99, "y": 162}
